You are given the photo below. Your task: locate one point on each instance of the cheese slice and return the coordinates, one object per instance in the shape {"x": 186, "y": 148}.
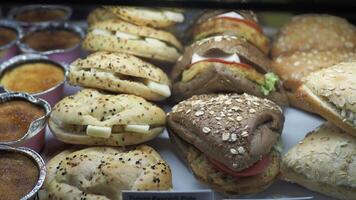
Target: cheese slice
{"x": 155, "y": 42}
{"x": 98, "y": 131}
{"x": 231, "y": 15}
{"x": 161, "y": 89}
{"x": 127, "y": 36}
{"x": 101, "y": 32}
{"x": 229, "y": 58}
{"x": 174, "y": 16}
{"x": 137, "y": 128}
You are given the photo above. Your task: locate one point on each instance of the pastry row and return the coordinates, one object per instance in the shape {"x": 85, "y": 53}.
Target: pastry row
{"x": 227, "y": 125}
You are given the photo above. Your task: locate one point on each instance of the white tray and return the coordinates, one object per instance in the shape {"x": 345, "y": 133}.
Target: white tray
{"x": 297, "y": 125}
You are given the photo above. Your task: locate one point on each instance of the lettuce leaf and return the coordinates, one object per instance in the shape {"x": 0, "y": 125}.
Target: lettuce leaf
{"x": 269, "y": 84}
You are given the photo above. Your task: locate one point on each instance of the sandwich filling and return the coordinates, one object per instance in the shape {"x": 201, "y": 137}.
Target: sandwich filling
{"x": 234, "y": 16}
{"x": 127, "y": 36}
{"x": 156, "y": 87}
{"x": 267, "y": 82}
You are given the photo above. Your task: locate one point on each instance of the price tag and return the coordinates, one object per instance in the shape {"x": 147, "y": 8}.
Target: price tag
{"x": 168, "y": 195}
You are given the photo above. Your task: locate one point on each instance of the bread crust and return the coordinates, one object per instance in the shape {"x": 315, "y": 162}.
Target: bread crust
{"x": 83, "y": 173}
{"x": 142, "y": 16}
{"x": 90, "y": 107}
{"x": 98, "y": 15}
{"x": 314, "y": 32}
{"x": 119, "y": 73}
{"x": 325, "y": 109}
{"x": 139, "y": 47}
{"x": 324, "y": 161}
{"x": 238, "y": 129}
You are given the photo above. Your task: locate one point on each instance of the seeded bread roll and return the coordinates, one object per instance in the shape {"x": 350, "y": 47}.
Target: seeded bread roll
{"x": 294, "y": 67}
{"x": 93, "y": 118}
{"x": 156, "y": 18}
{"x": 314, "y": 32}
{"x": 102, "y": 173}
{"x": 331, "y": 93}
{"x": 118, "y": 36}
{"x": 120, "y": 73}
{"x": 231, "y": 22}
{"x": 324, "y": 161}
{"x": 235, "y": 131}
{"x": 247, "y": 74}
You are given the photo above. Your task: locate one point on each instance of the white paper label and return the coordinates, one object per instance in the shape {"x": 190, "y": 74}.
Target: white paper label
{"x": 230, "y": 14}
{"x": 168, "y": 195}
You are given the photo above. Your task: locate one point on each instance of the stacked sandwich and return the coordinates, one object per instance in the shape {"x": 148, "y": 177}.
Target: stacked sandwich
{"x": 230, "y": 141}
{"x": 228, "y": 54}
{"x": 113, "y": 108}
{"x": 314, "y": 56}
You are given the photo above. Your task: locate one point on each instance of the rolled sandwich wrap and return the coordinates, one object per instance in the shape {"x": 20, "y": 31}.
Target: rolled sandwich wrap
{"x": 120, "y": 73}
{"x": 91, "y": 117}
{"x": 228, "y": 140}
{"x": 115, "y": 35}
{"x": 102, "y": 173}
{"x": 331, "y": 92}
{"x": 231, "y": 22}
{"x": 225, "y": 64}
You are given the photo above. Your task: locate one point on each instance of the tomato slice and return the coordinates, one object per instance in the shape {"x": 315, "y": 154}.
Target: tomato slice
{"x": 255, "y": 169}
{"x": 247, "y": 22}
{"x": 222, "y": 61}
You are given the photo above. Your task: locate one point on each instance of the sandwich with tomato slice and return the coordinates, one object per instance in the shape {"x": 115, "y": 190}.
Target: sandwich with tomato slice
{"x": 231, "y": 22}
{"x": 225, "y": 64}
{"x": 231, "y": 142}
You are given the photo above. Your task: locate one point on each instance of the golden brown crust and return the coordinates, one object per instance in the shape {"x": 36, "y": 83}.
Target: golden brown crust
{"x": 98, "y": 15}
{"x": 314, "y": 32}
{"x": 324, "y": 161}
{"x": 80, "y": 174}
{"x": 324, "y": 108}
{"x": 297, "y": 103}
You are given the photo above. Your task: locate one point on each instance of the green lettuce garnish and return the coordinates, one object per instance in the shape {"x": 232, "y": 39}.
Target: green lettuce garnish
{"x": 279, "y": 146}
{"x": 269, "y": 84}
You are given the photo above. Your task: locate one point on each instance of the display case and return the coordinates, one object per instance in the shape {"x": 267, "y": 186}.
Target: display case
{"x": 159, "y": 62}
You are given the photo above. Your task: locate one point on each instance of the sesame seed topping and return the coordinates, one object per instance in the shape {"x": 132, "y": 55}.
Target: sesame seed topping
{"x": 244, "y": 134}
{"x": 233, "y": 151}
{"x": 252, "y": 110}
{"x": 239, "y": 118}
{"x": 241, "y": 150}
{"x": 225, "y": 136}
{"x": 206, "y": 130}
{"x": 199, "y": 113}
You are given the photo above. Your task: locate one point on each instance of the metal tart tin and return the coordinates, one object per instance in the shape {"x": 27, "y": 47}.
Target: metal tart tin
{"x": 26, "y": 25}
{"x": 35, "y": 136}
{"x": 51, "y": 95}
{"x": 37, "y": 160}
{"x": 60, "y": 55}
{"x": 10, "y": 50}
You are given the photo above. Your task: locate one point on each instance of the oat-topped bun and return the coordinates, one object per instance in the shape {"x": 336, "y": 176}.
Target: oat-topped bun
{"x": 331, "y": 92}
{"x": 119, "y": 36}
{"x": 294, "y": 67}
{"x": 94, "y": 118}
{"x": 314, "y": 32}
{"x": 102, "y": 173}
{"x": 231, "y": 22}
{"x": 156, "y": 18}
{"x": 228, "y": 140}
{"x": 324, "y": 161}
{"x": 120, "y": 73}
{"x": 225, "y": 64}
{"x": 98, "y": 15}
